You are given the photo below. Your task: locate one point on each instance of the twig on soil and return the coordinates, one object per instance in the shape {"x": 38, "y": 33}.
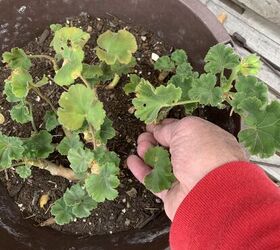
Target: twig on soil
{"x": 6, "y": 175}
{"x": 52, "y": 59}
{"x": 148, "y": 220}
{"x": 54, "y": 169}
{"x": 30, "y": 216}
{"x": 47, "y": 222}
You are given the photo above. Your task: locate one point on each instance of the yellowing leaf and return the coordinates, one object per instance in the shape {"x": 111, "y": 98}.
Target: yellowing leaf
{"x": 20, "y": 80}
{"x": 250, "y": 65}
{"x": 78, "y": 105}
{"x": 44, "y": 200}
{"x": 116, "y": 47}
{"x": 17, "y": 59}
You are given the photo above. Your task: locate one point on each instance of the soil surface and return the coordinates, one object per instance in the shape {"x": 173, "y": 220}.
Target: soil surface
{"x": 135, "y": 206}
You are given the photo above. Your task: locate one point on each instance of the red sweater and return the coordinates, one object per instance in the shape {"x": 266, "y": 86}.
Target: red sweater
{"x": 235, "y": 206}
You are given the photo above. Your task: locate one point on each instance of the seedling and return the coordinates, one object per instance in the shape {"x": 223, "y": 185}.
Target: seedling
{"x": 80, "y": 114}
{"x": 187, "y": 88}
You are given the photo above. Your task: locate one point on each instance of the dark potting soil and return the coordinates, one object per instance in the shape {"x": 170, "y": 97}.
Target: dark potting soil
{"x": 135, "y": 206}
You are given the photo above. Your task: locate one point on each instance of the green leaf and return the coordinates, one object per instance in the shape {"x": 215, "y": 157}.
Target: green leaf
{"x": 80, "y": 159}
{"x": 77, "y": 198}
{"x": 10, "y": 149}
{"x": 204, "y": 90}
{"x": 20, "y": 80}
{"x": 131, "y": 86}
{"x": 38, "y": 146}
{"x": 91, "y": 71}
{"x": 150, "y": 101}
{"x": 50, "y": 120}
{"x": 24, "y": 171}
{"x": 185, "y": 84}
{"x": 103, "y": 156}
{"x": 123, "y": 69}
{"x": 262, "y": 135}
{"x": 69, "y": 142}
{"x": 179, "y": 56}
{"x": 10, "y": 97}
{"x": 103, "y": 185}
{"x": 249, "y": 87}
{"x": 96, "y": 115}
{"x": 80, "y": 104}
{"x": 67, "y": 74}
{"x": 55, "y": 27}
{"x": 20, "y": 113}
{"x": 69, "y": 42}
{"x": 161, "y": 176}
{"x": 185, "y": 70}
{"x": 220, "y": 57}
{"x": 16, "y": 59}
{"x": 116, "y": 47}
{"x": 164, "y": 63}
{"x": 106, "y": 131}
{"x": 250, "y": 65}
{"x": 42, "y": 82}
{"x": 62, "y": 213}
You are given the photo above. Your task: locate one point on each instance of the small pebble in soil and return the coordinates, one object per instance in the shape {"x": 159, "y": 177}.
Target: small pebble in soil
{"x": 124, "y": 210}
{"x": 38, "y": 99}
{"x": 158, "y": 200}
{"x": 155, "y": 57}
{"x": 143, "y": 38}
{"x": 127, "y": 222}
{"x": 124, "y": 200}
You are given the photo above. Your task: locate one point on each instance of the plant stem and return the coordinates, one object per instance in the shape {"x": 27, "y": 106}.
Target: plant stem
{"x": 54, "y": 169}
{"x": 31, "y": 113}
{"x": 181, "y": 103}
{"x": 46, "y": 99}
{"x": 85, "y": 81}
{"x": 114, "y": 83}
{"x": 50, "y": 58}
{"x": 227, "y": 87}
{"x": 93, "y": 139}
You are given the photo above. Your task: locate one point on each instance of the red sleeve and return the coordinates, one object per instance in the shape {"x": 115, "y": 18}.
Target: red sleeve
{"x": 235, "y": 206}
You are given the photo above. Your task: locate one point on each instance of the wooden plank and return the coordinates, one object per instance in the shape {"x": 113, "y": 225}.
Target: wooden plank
{"x": 257, "y": 40}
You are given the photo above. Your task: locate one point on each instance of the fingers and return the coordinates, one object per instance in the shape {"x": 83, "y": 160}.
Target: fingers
{"x": 145, "y": 141}
{"x": 138, "y": 168}
{"x": 163, "y": 131}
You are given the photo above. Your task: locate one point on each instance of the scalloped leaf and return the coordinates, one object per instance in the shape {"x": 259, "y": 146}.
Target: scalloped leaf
{"x": 250, "y": 65}
{"x": 164, "y": 63}
{"x": 55, "y": 27}
{"x": 220, "y": 57}
{"x": 77, "y": 198}
{"x": 80, "y": 159}
{"x": 103, "y": 185}
{"x": 68, "y": 73}
{"x": 150, "y": 100}
{"x": 116, "y": 47}
{"x": 91, "y": 71}
{"x": 204, "y": 89}
{"x": 10, "y": 97}
{"x": 179, "y": 56}
{"x": 38, "y": 146}
{"x": 69, "y": 142}
{"x": 62, "y": 213}
{"x": 247, "y": 87}
{"x": 80, "y": 104}
{"x": 131, "y": 86}
{"x": 50, "y": 120}
{"x": 161, "y": 177}
{"x": 69, "y": 42}
{"x": 24, "y": 171}
{"x": 103, "y": 156}
{"x": 262, "y": 133}
{"x": 11, "y": 148}
{"x": 17, "y": 59}
{"x": 106, "y": 131}
{"x": 20, "y": 80}
{"x": 20, "y": 113}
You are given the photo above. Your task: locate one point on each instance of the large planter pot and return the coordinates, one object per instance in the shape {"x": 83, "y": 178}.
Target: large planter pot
{"x": 185, "y": 24}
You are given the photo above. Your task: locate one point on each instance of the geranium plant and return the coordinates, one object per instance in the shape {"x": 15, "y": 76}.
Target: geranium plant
{"x": 261, "y": 135}
{"x": 80, "y": 114}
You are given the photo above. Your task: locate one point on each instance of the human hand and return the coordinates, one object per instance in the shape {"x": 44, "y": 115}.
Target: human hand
{"x": 196, "y": 147}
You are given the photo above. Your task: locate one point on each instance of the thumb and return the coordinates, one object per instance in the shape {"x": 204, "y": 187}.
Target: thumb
{"x": 163, "y": 132}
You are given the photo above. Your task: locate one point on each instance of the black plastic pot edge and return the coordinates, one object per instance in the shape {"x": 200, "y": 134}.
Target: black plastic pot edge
{"x": 185, "y": 24}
